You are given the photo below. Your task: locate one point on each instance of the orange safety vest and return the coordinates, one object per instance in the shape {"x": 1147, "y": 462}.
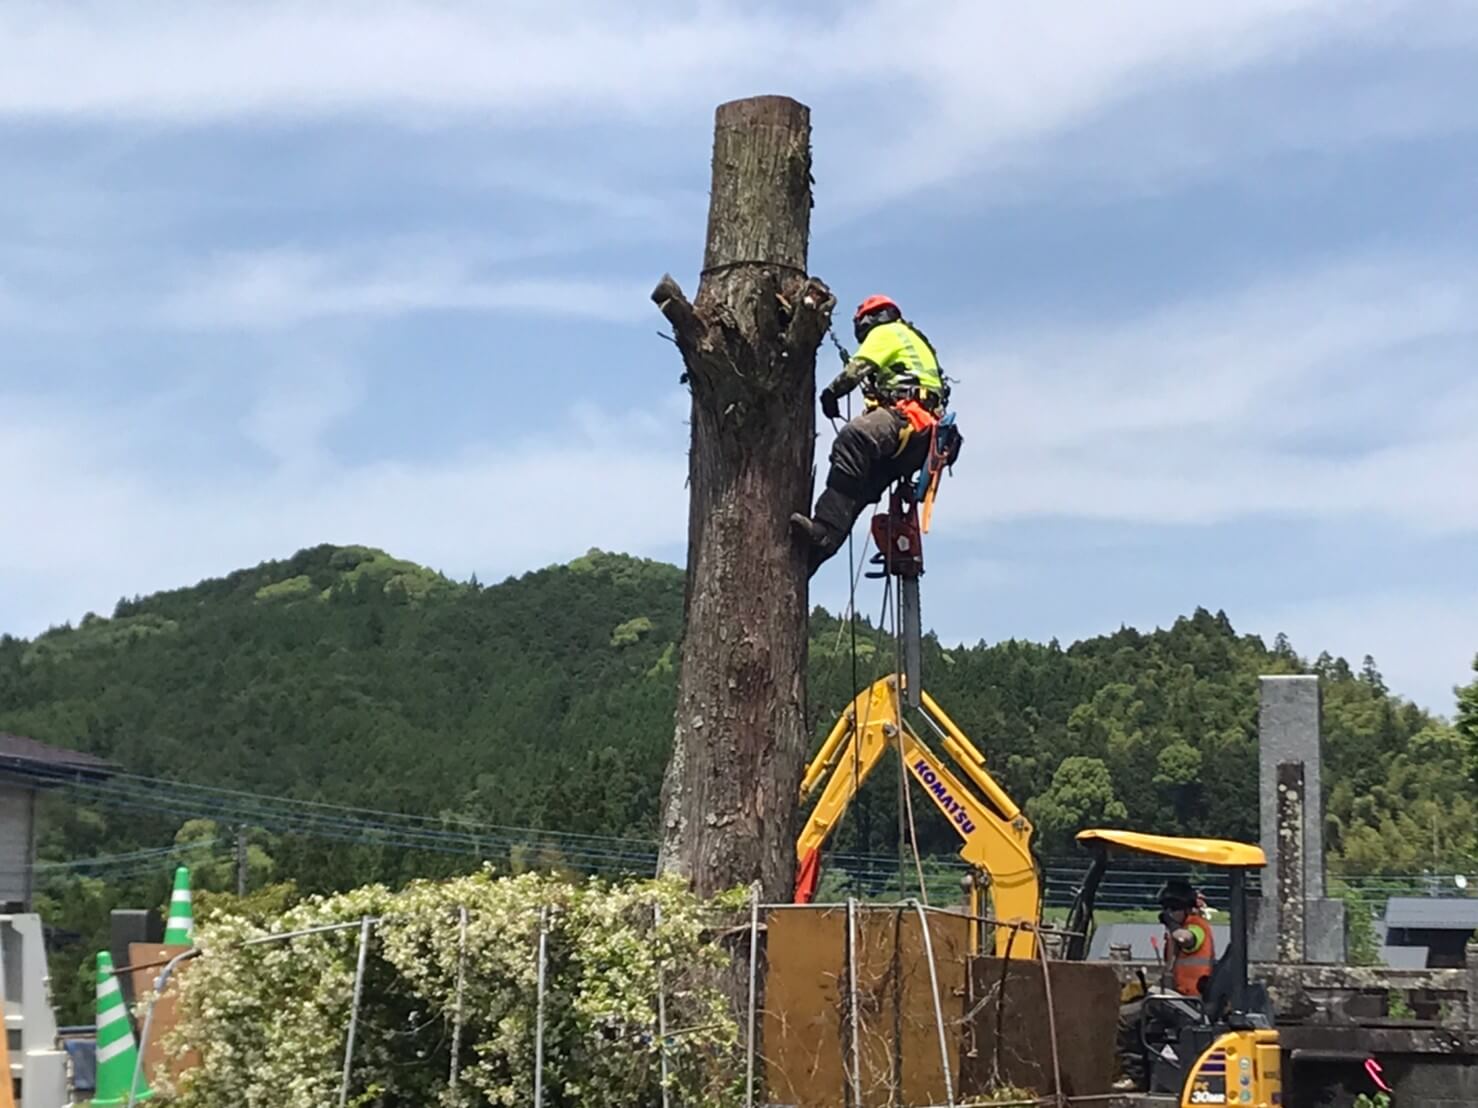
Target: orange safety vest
{"x": 1188, "y": 967}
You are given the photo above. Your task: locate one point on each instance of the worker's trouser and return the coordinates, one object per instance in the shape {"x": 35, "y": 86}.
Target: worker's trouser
{"x": 1130, "y": 1047}
{"x": 1141, "y": 1023}
{"x": 869, "y": 454}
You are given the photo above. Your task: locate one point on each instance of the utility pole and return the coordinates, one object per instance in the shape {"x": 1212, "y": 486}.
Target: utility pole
{"x": 240, "y": 860}
{"x": 731, "y": 794}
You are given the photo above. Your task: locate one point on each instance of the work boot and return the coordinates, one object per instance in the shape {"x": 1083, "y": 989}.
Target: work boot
{"x": 827, "y": 530}
{"x": 805, "y": 528}
{"x": 818, "y": 540}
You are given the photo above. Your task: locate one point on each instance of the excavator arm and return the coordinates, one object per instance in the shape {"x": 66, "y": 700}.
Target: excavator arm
{"x": 995, "y": 834}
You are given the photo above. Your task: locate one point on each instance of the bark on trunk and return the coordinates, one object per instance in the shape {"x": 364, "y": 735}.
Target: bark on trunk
{"x": 729, "y": 799}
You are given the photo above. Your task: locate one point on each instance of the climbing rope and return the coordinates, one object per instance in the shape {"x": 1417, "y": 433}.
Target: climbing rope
{"x": 862, "y": 827}
{"x": 842, "y": 353}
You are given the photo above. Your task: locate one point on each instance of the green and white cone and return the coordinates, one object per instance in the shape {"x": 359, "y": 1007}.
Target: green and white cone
{"x": 181, "y": 923}
{"x": 117, "y": 1055}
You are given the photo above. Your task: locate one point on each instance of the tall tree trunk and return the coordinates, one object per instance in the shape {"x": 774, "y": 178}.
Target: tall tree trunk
{"x": 730, "y": 796}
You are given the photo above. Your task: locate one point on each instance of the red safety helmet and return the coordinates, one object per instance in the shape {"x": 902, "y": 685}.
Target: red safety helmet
{"x": 873, "y": 304}
{"x": 872, "y": 311}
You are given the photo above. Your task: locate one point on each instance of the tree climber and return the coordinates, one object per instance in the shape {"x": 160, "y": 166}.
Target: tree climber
{"x": 904, "y": 395}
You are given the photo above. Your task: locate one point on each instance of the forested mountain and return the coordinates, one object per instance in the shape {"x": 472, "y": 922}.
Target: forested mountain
{"x": 344, "y": 675}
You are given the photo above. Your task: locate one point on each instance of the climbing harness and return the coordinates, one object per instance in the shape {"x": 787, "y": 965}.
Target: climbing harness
{"x": 944, "y": 447}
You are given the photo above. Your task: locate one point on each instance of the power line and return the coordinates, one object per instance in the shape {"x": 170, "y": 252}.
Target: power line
{"x": 1130, "y": 887}
{"x": 378, "y": 813}
{"x": 127, "y": 856}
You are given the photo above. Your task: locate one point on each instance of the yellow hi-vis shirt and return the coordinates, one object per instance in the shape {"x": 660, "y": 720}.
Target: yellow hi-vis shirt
{"x": 890, "y": 351}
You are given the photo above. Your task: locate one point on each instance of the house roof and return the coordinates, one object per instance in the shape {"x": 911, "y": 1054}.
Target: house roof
{"x": 1436, "y": 912}
{"x": 29, "y": 758}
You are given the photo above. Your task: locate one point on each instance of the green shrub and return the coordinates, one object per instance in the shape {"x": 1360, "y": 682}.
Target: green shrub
{"x": 269, "y": 1020}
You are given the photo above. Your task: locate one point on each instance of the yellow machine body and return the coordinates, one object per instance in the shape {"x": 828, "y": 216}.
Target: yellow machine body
{"x": 995, "y": 833}
{"x": 1239, "y": 1068}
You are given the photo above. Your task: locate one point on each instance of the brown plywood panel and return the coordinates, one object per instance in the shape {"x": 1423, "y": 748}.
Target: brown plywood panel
{"x": 151, "y": 958}
{"x": 807, "y": 1026}
{"x": 899, "y": 1024}
{"x": 1009, "y": 1037}
{"x": 804, "y": 994}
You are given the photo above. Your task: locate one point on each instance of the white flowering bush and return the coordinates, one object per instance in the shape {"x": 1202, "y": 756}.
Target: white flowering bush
{"x": 268, "y": 1021}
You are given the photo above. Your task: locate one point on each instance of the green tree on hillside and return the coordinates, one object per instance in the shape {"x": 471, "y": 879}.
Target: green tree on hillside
{"x": 1467, "y": 719}
{"x": 1082, "y": 795}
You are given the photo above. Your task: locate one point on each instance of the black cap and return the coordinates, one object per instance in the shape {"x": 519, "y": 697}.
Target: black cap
{"x": 1176, "y": 893}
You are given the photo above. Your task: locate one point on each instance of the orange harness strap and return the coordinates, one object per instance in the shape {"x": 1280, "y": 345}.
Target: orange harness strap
{"x": 919, "y": 417}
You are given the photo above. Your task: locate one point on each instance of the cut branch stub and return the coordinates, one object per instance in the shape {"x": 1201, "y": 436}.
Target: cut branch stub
{"x": 787, "y": 315}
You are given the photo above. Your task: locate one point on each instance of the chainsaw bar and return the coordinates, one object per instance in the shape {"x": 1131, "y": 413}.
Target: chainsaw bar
{"x": 910, "y": 626}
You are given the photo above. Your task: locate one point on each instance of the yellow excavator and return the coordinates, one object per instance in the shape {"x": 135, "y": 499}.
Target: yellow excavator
{"x": 1222, "y": 1046}
{"x": 994, "y": 832}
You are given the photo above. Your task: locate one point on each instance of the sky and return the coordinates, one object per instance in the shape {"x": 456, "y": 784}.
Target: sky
{"x": 1206, "y": 276}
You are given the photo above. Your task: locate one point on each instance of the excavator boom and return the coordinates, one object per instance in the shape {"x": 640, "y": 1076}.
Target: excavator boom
{"x": 995, "y": 835}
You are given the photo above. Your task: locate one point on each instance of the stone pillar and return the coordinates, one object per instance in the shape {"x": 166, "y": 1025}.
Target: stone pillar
{"x": 1288, "y": 862}
{"x": 1471, "y": 957}
{"x": 1293, "y": 921}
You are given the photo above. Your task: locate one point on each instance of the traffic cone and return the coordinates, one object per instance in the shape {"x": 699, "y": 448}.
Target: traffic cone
{"x": 181, "y": 921}
{"x": 117, "y": 1055}
{"x": 7, "y": 1089}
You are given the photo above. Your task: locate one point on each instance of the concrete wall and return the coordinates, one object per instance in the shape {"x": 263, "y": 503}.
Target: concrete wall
{"x": 36, "y": 1062}
{"x": 1434, "y": 1082}
{"x": 17, "y": 840}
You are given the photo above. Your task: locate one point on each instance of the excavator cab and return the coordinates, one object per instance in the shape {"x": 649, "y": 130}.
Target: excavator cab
{"x": 1220, "y": 1047}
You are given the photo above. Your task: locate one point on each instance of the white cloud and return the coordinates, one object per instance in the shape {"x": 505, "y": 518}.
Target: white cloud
{"x": 990, "y": 89}
{"x": 1423, "y": 642}
{"x": 296, "y": 408}
{"x": 983, "y": 81}
{"x": 1130, "y": 95}
{"x": 185, "y": 62}
{"x": 283, "y": 287}
{"x": 288, "y": 286}
{"x": 87, "y": 518}
{"x": 1220, "y": 409}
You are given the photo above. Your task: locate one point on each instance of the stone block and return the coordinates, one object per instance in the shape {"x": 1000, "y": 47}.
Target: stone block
{"x": 1324, "y": 931}
{"x": 1262, "y": 930}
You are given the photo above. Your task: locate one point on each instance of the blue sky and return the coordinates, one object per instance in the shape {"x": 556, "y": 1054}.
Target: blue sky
{"x": 280, "y": 274}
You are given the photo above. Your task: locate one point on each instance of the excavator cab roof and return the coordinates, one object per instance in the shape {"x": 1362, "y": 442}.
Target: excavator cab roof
{"x": 1211, "y": 852}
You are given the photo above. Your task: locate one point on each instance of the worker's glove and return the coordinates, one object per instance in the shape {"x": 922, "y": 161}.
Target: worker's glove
{"x": 830, "y": 407}
{"x": 1183, "y": 938}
